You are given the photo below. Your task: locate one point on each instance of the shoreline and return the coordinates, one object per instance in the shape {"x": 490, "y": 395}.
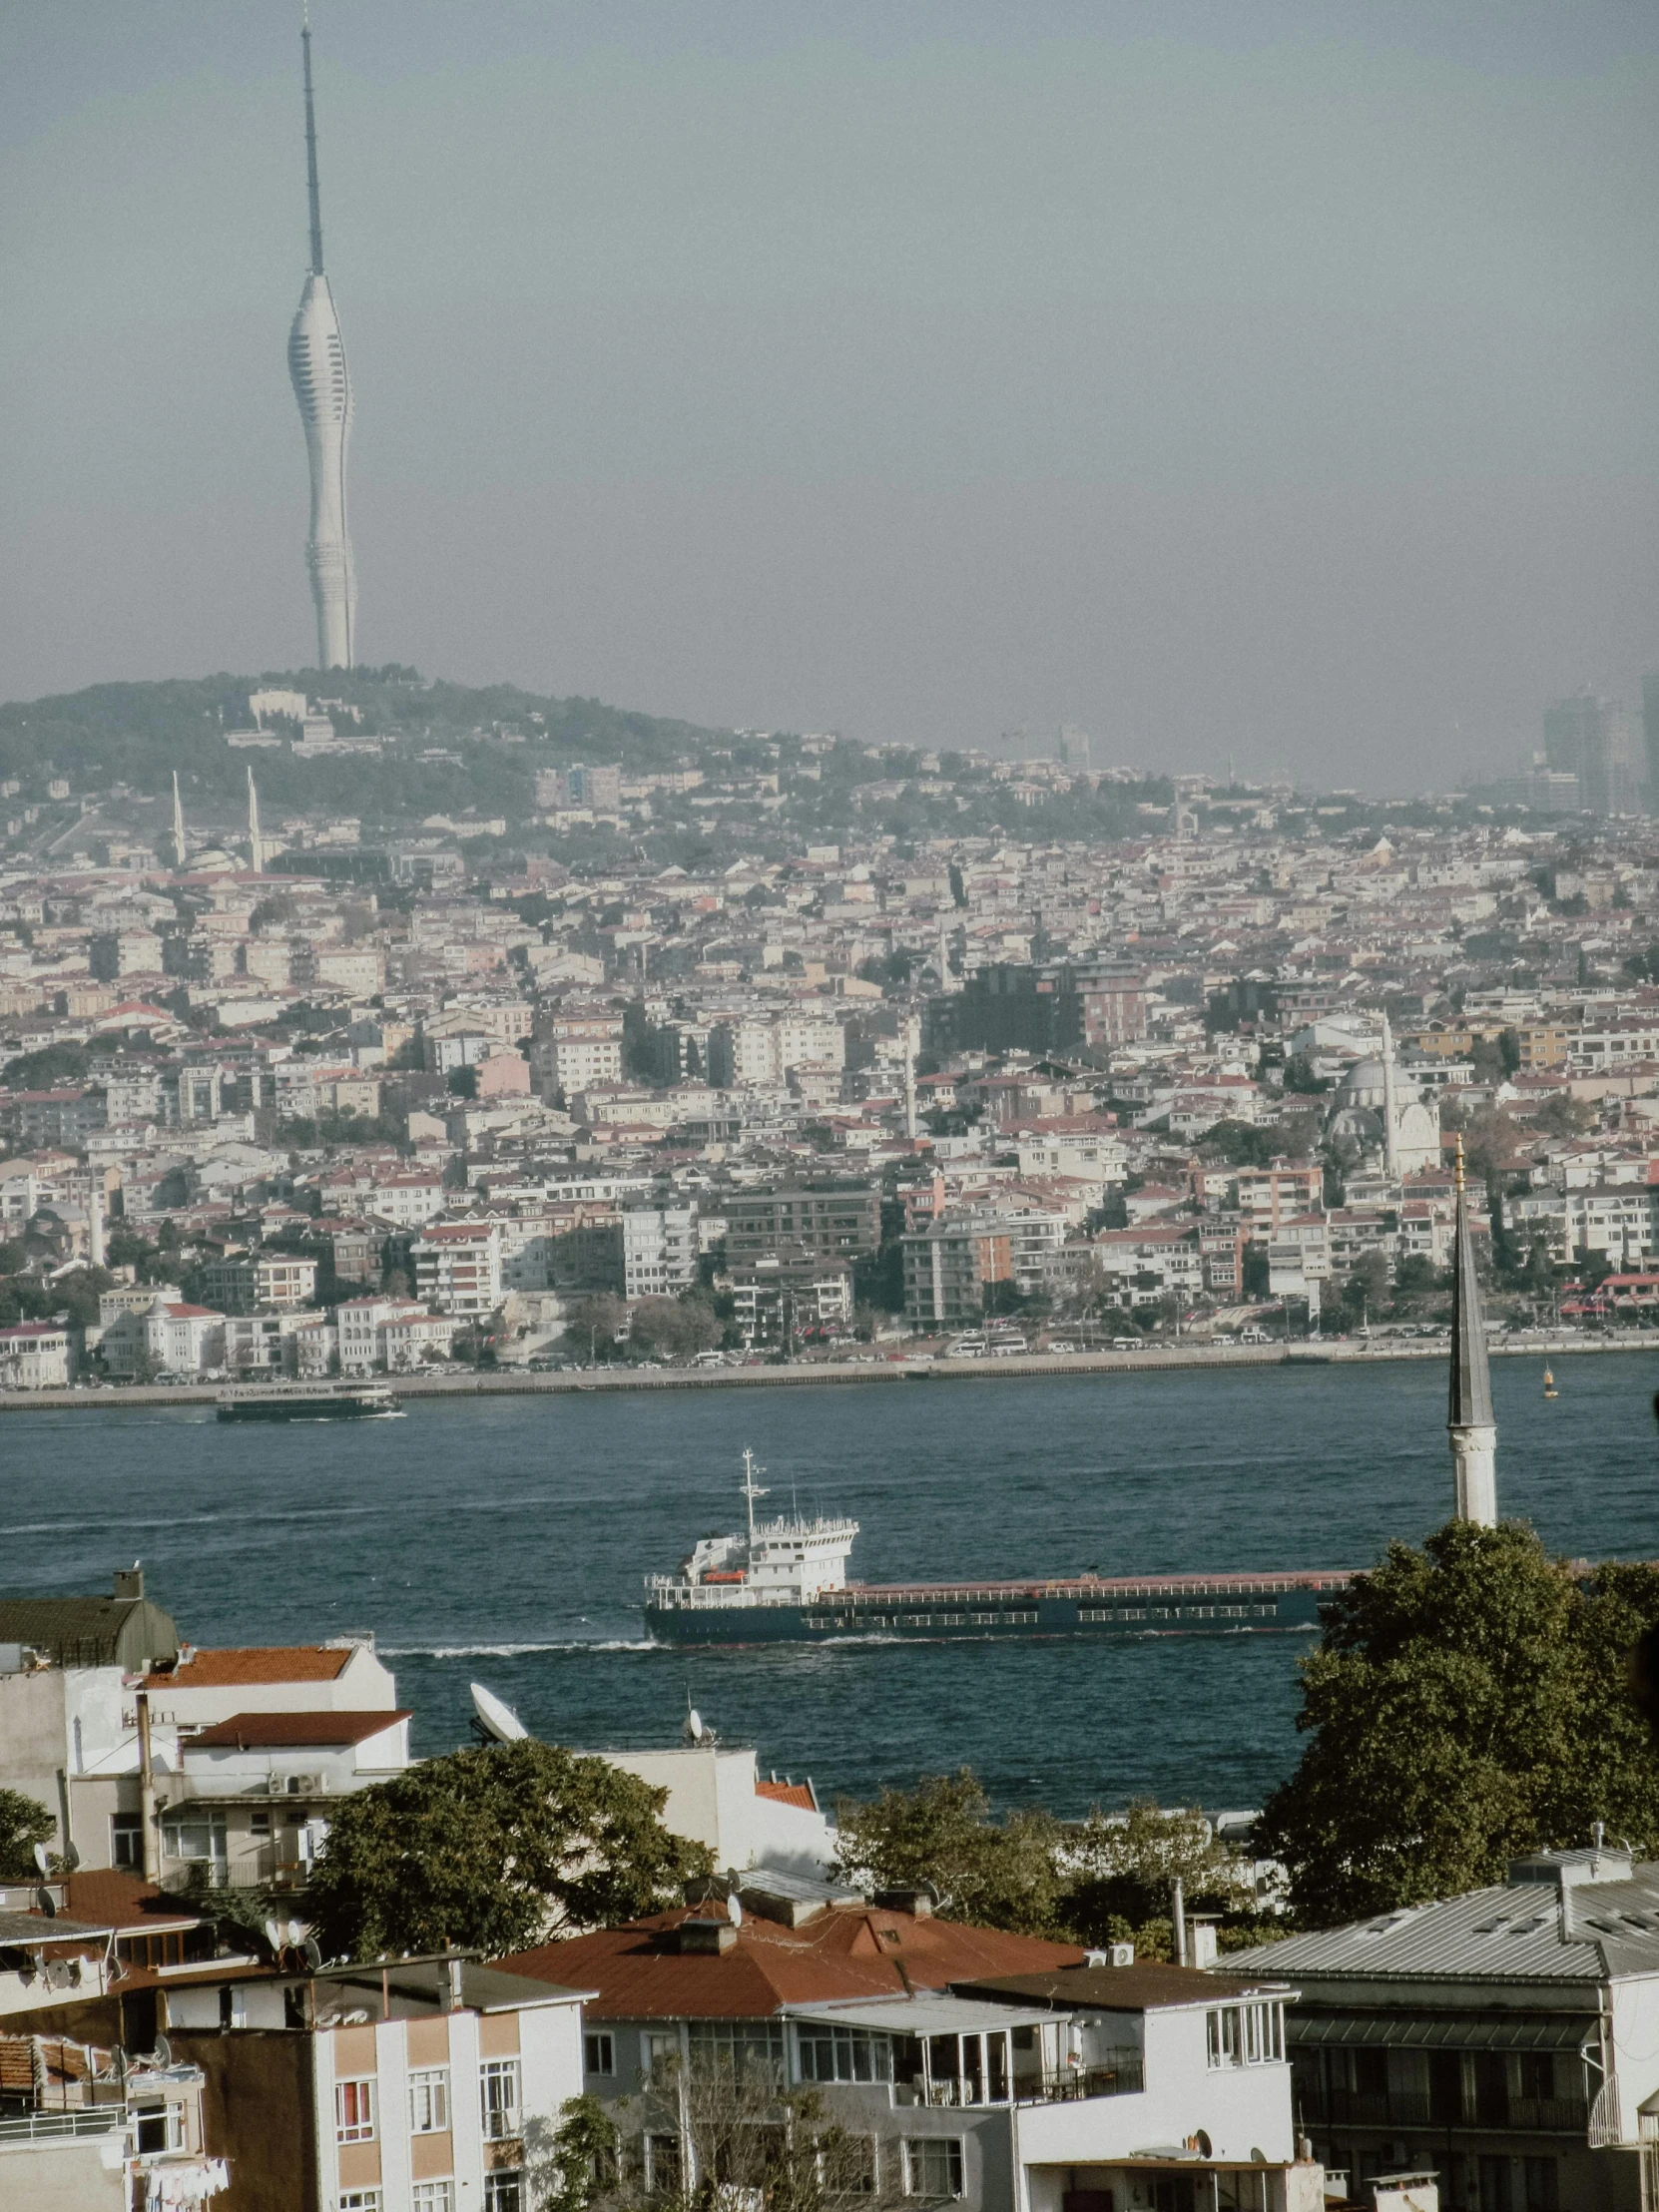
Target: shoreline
{"x": 518, "y": 1383}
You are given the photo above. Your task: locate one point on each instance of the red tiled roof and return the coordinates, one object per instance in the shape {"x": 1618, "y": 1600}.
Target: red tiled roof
{"x": 843, "y": 1951}
{"x": 220, "y": 1670}
{"x": 788, "y": 1793}
{"x": 252, "y": 1731}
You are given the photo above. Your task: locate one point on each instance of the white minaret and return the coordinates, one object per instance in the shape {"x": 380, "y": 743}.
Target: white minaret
{"x": 1469, "y": 1421}
{"x": 317, "y": 363}
{"x": 256, "y": 844}
{"x": 913, "y": 1044}
{"x": 178, "y": 824}
{"x": 1390, "y": 1106}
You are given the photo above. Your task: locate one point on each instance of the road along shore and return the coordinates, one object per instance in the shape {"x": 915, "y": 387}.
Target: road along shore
{"x": 807, "y": 1375}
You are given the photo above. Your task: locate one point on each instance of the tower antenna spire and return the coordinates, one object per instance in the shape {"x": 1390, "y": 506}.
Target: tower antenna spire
{"x": 314, "y": 195}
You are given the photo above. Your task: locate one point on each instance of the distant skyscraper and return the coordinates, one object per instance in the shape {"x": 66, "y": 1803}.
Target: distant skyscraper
{"x": 1592, "y": 738}
{"x": 1650, "y": 734}
{"x": 316, "y": 363}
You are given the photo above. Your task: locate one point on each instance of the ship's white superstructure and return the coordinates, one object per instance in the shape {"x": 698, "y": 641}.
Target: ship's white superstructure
{"x": 317, "y": 363}
{"x": 788, "y": 1561}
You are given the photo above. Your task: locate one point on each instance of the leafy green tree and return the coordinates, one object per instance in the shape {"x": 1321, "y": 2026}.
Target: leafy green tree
{"x": 1123, "y": 1868}
{"x": 999, "y": 1873}
{"x": 1240, "y": 1144}
{"x": 1468, "y": 1703}
{"x": 1257, "y": 1273}
{"x": 577, "y": 2166}
{"x": 592, "y": 1325}
{"x": 1301, "y": 1078}
{"x": 495, "y": 1848}
{"x": 24, "y": 1822}
{"x": 674, "y": 1327}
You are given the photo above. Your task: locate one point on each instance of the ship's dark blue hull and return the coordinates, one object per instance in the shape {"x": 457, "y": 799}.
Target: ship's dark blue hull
{"x": 1186, "y": 1606}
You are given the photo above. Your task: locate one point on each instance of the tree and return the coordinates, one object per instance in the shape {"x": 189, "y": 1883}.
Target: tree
{"x": 1467, "y": 1703}
{"x": 593, "y": 1324}
{"x": 1240, "y": 1144}
{"x": 998, "y": 1874}
{"x": 1301, "y": 1078}
{"x": 676, "y": 1327}
{"x": 1123, "y": 1870}
{"x": 495, "y": 1848}
{"x": 24, "y": 1822}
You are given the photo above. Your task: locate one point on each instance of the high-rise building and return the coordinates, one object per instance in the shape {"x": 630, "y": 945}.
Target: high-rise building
{"x": 1592, "y": 738}
{"x": 1650, "y": 733}
{"x": 317, "y": 363}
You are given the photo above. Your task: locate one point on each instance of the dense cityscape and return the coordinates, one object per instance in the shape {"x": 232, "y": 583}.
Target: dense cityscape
{"x": 434, "y": 1115}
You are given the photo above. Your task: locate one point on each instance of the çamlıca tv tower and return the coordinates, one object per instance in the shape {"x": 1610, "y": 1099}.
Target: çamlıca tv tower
{"x": 316, "y": 363}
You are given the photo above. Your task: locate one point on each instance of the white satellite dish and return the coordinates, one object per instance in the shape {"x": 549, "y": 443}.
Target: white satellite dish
{"x": 734, "y": 1910}
{"x": 41, "y": 1859}
{"x": 694, "y": 1724}
{"x": 273, "y": 1937}
{"x": 496, "y": 1719}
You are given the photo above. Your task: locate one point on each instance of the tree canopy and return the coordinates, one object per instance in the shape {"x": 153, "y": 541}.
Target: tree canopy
{"x": 24, "y": 1822}
{"x": 1468, "y": 1703}
{"x": 495, "y": 1848}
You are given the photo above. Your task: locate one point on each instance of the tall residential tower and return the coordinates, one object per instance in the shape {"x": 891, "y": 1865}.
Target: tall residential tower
{"x": 316, "y": 363}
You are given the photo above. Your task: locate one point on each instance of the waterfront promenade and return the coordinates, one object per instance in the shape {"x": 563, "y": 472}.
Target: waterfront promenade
{"x": 898, "y": 1367}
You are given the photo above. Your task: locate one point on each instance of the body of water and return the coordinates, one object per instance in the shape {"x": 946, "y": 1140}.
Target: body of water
{"x": 505, "y": 1540}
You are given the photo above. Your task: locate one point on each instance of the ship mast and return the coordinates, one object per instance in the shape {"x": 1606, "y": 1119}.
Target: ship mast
{"x": 751, "y": 1489}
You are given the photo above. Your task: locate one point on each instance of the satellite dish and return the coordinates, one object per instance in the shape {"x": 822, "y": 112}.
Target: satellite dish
{"x": 71, "y": 1857}
{"x": 162, "y": 2052}
{"x": 498, "y": 1721}
{"x": 297, "y": 1934}
{"x": 273, "y": 1937}
{"x": 694, "y": 1725}
{"x": 734, "y": 1910}
{"x": 47, "y": 1903}
{"x": 41, "y": 1859}
{"x": 313, "y": 1954}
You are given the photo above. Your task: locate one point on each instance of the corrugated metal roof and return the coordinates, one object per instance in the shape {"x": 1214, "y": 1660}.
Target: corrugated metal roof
{"x": 924, "y": 2015}
{"x": 1521, "y": 1931}
{"x": 1148, "y": 1986}
{"x": 1445, "y": 2030}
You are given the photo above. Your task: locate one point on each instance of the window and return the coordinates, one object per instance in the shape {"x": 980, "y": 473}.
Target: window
{"x": 599, "y": 2053}
{"x": 737, "y": 2046}
{"x": 1543, "y": 2185}
{"x": 434, "y": 2196}
{"x": 1224, "y": 2037}
{"x": 1263, "y": 2033}
{"x": 353, "y": 2111}
{"x": 504, "y": 2192}
{"x": 258, "y": 1824}
{"x": 161, "y": 2127}
{"x": 933, "y": 2167}
{"x": 232, "y": 2005}
{"x": 498, "y": 2098}
{"x": 844, "y": 2054}
{"x": 194, "y": 1834}
{"x": 360, "y": 2200}
{"x": 429, "y": 2101}
{"x": 661, "y": 2163}
{"x": 126, "y": 1839}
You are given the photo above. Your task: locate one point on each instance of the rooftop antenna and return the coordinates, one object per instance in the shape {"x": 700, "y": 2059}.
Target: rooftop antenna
{"x": 312, "y": 193}
{"x": 750, "y": 1489}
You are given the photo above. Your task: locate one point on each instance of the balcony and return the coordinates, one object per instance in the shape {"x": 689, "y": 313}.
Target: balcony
{"x": 1118, "y": 2073}
{"x": 1323, "y": 2107}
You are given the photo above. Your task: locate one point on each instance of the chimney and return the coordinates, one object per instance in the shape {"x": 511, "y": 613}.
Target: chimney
{"x": 455, "y": 2000}
{"x": 129, "y": 1581}
{"x": 919, "y": 1904}
{"x": 709, "y": 1937}
{"x": 1177, "y": 1920}
{"x": 147, "y": 1780}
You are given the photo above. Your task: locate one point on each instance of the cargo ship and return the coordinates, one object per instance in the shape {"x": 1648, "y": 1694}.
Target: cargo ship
{"x": 308, "y": 1401}
{"x": 784, "y": 1581}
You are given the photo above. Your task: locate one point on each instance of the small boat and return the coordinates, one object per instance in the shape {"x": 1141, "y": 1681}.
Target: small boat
{"x": 1549, "y": 1385}
{"x": 308, "y": 1401}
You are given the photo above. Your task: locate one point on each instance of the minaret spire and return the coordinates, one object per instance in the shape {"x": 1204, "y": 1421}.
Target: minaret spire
{"x": 256, "y": 844}
{"x": 1469, "y": 1421}
{"x": 178, "y": 824}
{"x": 315, "y": 197}
{"x": 1390, "y": 1108}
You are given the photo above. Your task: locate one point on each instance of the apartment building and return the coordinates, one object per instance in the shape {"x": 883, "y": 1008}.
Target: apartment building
{"x": 837, "y": 1219}
{"x": 952, "y": 1269}
{"x": 457, "y": 1267}
{"x": 279, "y": 1280}
{"x": 659, "y": 1250}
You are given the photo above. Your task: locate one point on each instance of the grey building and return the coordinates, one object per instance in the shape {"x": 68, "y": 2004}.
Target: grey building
{"x": 1595, "y": 740}
{"x": 125, "y": 1629}
{"x": 835, "y": 1220}
{"x": 1508, "y": 2038}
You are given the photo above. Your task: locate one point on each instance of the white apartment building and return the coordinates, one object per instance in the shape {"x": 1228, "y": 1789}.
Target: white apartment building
{"x": 389, "y": 1335}
{"x": 36, "y": 1356}
{"x": 659, "y": 1251}
{"x": 580, "y": 1052}
{"x": 457, "y": 1267}
{"x": 172, "y": 1337}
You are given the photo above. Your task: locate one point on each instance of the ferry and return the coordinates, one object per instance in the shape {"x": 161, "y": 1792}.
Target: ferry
{"x": 308, "y": 1401}
{"x": 784, "y": 1581}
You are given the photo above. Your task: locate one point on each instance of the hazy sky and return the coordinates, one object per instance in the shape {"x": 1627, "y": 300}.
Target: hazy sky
{"x": 1270, "y": 377}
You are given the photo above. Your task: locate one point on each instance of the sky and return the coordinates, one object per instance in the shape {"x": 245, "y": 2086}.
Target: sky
{"x": 1270, "y": 381}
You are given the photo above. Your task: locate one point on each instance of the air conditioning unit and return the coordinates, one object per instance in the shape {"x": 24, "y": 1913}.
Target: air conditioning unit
{"x": 1123, "y": 1954}
{"x": 306, "y": 1785}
